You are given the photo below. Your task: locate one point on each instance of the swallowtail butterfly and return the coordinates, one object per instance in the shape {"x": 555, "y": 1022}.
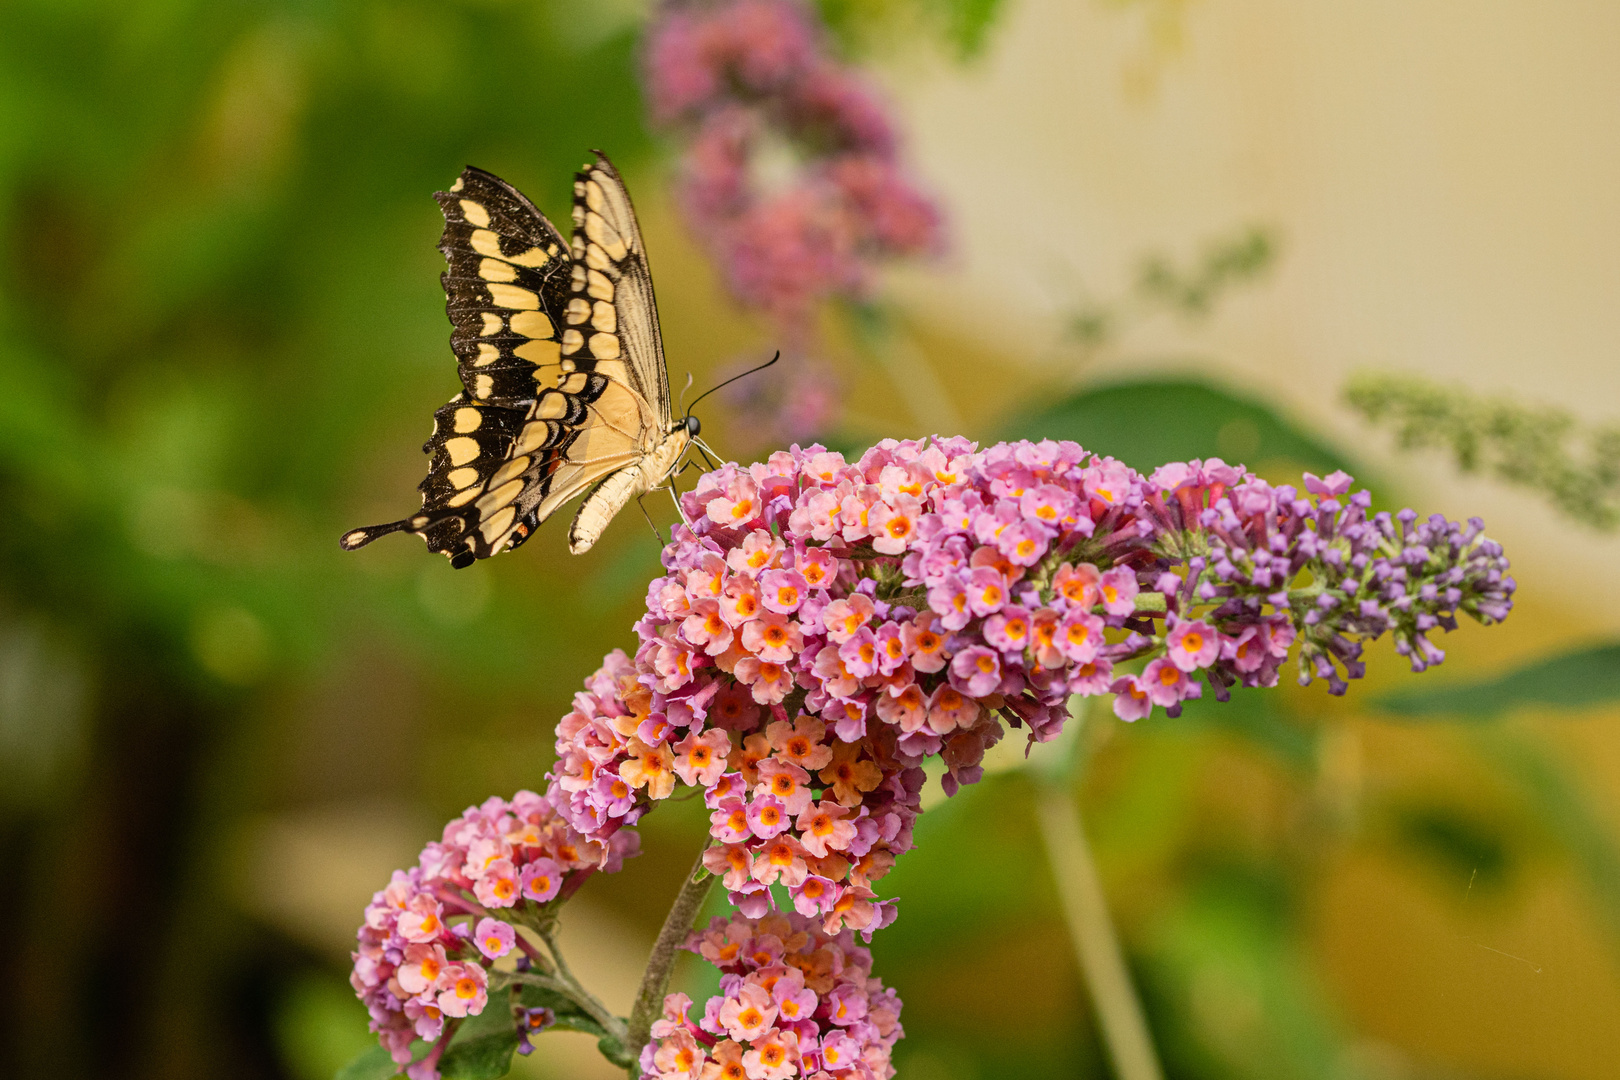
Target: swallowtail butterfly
{"x": 564, "y": 387}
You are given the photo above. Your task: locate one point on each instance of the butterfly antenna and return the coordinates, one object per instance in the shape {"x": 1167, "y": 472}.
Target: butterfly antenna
{"x": 733, "y": 379}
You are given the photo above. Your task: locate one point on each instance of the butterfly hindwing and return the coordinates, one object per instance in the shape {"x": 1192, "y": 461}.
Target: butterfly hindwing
{"x": 560, "y": 360}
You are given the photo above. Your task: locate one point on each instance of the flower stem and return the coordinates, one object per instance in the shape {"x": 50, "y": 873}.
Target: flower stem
{"x": 677, "y": 924}
{"x": 1120, "y": 1015}
{"x": 587, "y": 1002}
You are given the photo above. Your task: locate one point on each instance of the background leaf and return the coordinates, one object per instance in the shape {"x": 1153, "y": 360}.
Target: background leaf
{"x": 483, "y": 1058}
{"x": 1571, "y": 680}
{"x": 1147, "y": 422}
{"x": 373, "y": 1063}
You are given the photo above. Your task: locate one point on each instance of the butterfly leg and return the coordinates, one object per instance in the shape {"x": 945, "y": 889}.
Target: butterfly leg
{"x": 670, "y": 487}
{"x": 642, "y": 506}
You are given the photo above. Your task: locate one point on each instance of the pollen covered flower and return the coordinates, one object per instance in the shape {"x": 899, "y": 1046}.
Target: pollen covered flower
{"x": 794, "y": 1001}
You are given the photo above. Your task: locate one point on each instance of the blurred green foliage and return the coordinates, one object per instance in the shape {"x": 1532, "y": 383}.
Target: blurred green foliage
{"x": 1190, "y": 292}
{"x": 1575, "y": 467}
{"x": 1147, "y": 422}
{"x": 1581, "y": 678}
{"x": 864, "y": 26}
{"x": 221, "y": 337}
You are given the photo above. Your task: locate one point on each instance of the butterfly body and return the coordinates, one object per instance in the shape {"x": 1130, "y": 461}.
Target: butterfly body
{"x": 564, "y": 386}
{"x": 631, "y": 482}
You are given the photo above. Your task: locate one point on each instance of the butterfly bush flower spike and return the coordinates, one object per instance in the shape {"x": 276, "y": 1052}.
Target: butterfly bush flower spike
{"x": 824, "y": 627}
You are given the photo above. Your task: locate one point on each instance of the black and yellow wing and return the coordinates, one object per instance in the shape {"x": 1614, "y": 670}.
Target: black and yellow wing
{"x": 561, "y": 365}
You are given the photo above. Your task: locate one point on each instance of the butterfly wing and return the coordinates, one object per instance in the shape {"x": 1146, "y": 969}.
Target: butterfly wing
{"x": 612, "y": 318}
{"x": 505, "y": 452}
{"x": 613, "y": 290}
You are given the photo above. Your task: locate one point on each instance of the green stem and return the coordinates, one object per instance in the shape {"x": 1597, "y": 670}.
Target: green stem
{"x": 587, "y": 1001}
{"x": 1120, "y": 1016}
{"x": 677, "y": 925}
{"x": 572, "y": 988}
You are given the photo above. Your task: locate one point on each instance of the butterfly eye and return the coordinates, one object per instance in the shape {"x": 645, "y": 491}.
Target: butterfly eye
{"x": 692, "y": 426}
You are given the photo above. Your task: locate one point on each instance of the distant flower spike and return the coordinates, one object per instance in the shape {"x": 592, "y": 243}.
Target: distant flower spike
{"x": 749, "y": 82}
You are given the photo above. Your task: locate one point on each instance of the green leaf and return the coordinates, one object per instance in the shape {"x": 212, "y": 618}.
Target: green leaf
{"x": 1571, "y": 680}
{"x": 1147, "y": 422}
{"x": 481, "y": 1058}
{"x": 373, "y": 1063}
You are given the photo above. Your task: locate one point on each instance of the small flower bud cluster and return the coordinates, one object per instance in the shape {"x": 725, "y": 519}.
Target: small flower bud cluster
{"x": 1368, "y": 574}
{"x": 740, "y": 77}
{"x": 794, "y": 1001}
{"x": 430, "y": 937}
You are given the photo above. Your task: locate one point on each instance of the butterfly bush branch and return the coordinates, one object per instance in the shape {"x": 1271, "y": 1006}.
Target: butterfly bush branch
{"x": 824, "y": 627}
{"x": 1121, "y": 1019}
{"x": 427, "y": 948}
{"x": 672, "y": 936}
{"x": 794, "y": 1000}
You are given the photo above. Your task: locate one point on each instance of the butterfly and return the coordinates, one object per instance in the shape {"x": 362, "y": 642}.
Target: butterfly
{"x": 564, "y": 387}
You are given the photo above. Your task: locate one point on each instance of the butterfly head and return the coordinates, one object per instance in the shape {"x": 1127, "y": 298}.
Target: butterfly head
{"x": 691, "y": 424}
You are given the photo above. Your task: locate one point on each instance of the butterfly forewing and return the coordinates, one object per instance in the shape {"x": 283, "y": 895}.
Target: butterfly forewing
{"x": 611, "y": 314}
{"x": 560, "y": 362}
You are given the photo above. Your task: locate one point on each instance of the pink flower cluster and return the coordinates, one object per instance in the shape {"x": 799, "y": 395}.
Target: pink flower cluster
{"x": 825, "y": 626}
{"x": 793, "y": 1001}
{"x": 789, "y": 802}
{"x": 749, "y": 82}
{"x": 429, "y": 938}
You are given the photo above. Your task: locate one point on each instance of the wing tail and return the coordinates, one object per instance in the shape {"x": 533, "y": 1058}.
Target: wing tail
{"x": 359, "y": 538}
